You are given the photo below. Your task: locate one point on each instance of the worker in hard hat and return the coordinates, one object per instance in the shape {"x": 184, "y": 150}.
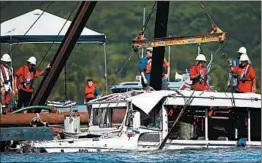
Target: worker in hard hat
{"x": 91, "y": 92}
{"x": 233, "y": 80}
{"x": 145, "y": 68}
{"x": 24, "y": 79}
{"x": 6, "y": 81}
{"x": 246, "y": 75}
{"x": 199, "y": 75}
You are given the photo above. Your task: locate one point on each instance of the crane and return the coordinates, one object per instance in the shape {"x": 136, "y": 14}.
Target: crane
{"x": 216, "y": 35}
{"x": 76, "y": 27}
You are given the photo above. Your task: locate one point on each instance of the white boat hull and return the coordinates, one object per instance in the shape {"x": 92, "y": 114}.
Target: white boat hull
{"x": 125, "y": 145}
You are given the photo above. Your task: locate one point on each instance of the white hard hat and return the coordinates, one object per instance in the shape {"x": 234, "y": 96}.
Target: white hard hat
{"x": 201, "y": 57}
{"x": 32, "y": 60}
{"x": 242, "y": 50}
{"x": 149, "y": 49}
{"x": 244, "y": 57}
{"x": 6, "y": 58}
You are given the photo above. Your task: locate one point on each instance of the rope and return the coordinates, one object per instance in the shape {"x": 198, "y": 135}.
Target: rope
{"x": 31, "y": 26}
{"x": 58, "y": 34}
{"x": 122, "y": 67}
{"x": 233, "y": 99}
{"x": 128, "y": 59}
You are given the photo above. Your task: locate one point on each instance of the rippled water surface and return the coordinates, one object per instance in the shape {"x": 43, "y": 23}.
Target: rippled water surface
{"x": 201, "y": 155}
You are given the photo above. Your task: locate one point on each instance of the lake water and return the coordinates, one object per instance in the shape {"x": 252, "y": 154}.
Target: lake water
{"x": 201, "y": 155}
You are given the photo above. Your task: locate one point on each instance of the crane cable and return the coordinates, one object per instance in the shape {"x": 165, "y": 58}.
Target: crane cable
{"x": 207, "y": 14}
{"x": 31, "y": 26}
{"x": 58, "y": 34}
{"x": 148, "y": 18}
{"x": 143, "y": 28}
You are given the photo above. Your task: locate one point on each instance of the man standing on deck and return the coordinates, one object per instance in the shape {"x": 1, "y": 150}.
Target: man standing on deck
{"x": 233, "y": 80}
{"x": 24, "y": 79}
{"x": 199, "y": 75}
{"x": 246, "y": 75}
{"x": 145, "y": 70}
{"x": 6, "y": 81}
{"x": 91, "y": 92}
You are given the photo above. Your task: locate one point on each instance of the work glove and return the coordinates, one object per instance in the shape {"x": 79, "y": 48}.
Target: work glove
{"x": 229, "y": 62}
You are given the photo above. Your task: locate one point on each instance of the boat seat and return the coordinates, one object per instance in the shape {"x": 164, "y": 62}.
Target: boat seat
{"x": 222, "y": 138}
{"x": 201, "y": 138}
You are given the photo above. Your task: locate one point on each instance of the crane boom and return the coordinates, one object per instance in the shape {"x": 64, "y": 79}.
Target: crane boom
{"x": 64, "y": 51}
{"x": 217, "y": 35}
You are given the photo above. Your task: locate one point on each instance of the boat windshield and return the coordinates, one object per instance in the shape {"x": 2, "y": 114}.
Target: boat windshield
{"x": 108, "y": 117}
{"x": 149, "y": 121}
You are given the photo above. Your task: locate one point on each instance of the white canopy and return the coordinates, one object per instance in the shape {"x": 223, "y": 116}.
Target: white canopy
{"x": 44, "y": 30}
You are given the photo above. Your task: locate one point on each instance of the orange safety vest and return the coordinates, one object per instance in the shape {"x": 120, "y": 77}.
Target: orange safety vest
{"x": 26, "y": 78}
{"x": 90, "y": 91}
{"x": 246, "y": 76}
{"x": 148, "y": 66}
{"x": 197, "y": 84}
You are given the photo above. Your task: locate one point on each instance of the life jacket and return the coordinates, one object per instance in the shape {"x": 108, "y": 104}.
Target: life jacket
{"x": 7, "y": 74}
{"x": 165, "y": 66}
{"x": 90, "y": 91}
{"x": 148, "y": 66}
{"x": 200, "y": 83}
{"x": 246, "y": 75}
{"x": 26, "y": 78}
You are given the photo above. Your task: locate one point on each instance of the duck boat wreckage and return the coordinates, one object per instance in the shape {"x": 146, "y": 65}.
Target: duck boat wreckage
{"x": 147, "y": 123}
{"x": 152, "y": 120}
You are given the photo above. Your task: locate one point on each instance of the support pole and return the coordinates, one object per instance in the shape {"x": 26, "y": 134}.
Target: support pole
{"x": 65, "y": 71}
{"x": 159, "y": 52}
{"x": 248, "y": 125}
{"x": 63, "y": 53}
{"x": 169, "y": 59}
{"x": 144, "y": 17}
{"x": 206, "y": 124}
{"x": 105, "y": 57}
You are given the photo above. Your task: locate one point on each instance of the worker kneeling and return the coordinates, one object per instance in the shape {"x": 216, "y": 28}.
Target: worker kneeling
{"x": 246, "y": 75}
{"x": 7, "y": 81}
{"x": 199, "y": 75}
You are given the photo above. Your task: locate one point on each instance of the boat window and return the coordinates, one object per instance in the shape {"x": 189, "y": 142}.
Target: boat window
{"x": 102, "y": 117}
{"x": 149, "y": 121}
{"x": 108, "y": 117}
{"x": 152, "y": 120}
